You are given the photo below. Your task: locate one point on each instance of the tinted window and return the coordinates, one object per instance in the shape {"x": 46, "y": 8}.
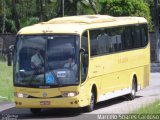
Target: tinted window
{"x": 95, "y": 37}
{"x": 116, "y": 36}
{"x": 85, "y": 41}
{"x": 84, "y": 57}
{"x": 137, "y": 41}
{"x": 128, "y": 40}
{"x": 109, "y": 40}
{"x": 104, "y": 41}
{"x": 144, "y": 35}
{"x": 46, "y": 60}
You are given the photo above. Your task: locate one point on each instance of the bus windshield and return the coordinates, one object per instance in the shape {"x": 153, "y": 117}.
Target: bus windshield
{"x": 46, "y": 60}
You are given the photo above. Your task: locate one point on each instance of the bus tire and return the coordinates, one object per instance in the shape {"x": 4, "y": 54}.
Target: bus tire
{"x": 91, "y": 105}
{"x": 132, "y": 95}
{"x": 35, "y": 110}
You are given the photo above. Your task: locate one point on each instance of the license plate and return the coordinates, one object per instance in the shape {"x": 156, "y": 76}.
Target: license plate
{"x": 45, "y": 102}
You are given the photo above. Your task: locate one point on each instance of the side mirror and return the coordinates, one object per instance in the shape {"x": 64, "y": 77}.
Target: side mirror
{"x": 10, "y": 55}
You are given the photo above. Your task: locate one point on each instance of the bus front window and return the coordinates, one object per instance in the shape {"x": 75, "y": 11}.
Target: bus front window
{"x": 29, "y": 61}
{"x": 62, "y": 65}
{"x": 46, "y": 61}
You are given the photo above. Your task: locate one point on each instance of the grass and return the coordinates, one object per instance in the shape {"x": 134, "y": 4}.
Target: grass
{"x": 6, "y": 81}
{"x": 153, "y": 108}
{"x": 147, "y": 112}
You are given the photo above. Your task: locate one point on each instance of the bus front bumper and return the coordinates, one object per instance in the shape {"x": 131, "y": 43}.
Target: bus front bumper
{"x": 69, "y": 102}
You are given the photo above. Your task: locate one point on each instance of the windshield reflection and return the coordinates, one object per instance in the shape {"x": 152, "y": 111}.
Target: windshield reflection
{"x": 46, "y": 61}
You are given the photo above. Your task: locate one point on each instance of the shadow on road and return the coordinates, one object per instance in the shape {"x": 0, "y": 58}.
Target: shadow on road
{"x": 46, "y": 113}
{"x": 113, "y": 102}
{"x": 61, "y": 113}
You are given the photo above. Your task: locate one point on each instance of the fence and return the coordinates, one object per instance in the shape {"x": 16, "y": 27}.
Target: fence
{"x": 153, "y": 46}
{"x": 5, "y": 41}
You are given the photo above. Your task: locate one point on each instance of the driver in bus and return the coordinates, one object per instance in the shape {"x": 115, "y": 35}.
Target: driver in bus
{"x": 71, "y": 64}
{"x": 37, "y": 60}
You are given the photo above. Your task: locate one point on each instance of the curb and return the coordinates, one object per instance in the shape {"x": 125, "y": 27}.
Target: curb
{"x": 6, "y": 105}
{"x": 155, "y": 67}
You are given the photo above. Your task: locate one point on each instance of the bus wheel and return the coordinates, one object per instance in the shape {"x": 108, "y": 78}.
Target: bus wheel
{"x": 132, "y": 95}
{"x": 91, "y": 105}
{"x": 35, "y": 110}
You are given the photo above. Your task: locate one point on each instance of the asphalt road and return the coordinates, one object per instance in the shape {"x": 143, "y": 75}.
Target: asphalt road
{"x": 114, "y": 106}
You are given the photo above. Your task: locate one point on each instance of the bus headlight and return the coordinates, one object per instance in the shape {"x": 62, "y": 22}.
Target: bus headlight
{"x": 21, "y": 95}
{"x": 69, "y": 94}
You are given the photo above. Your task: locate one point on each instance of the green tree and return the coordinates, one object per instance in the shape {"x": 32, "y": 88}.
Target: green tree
{"x": 3, "y": 12}
{"x": 152, "y": 10}
{"x": 28, "y": 12}
{"x": 126, "y": 8}
{"x": 8, "y": 24}
{"x": 15, "y": 15}
{"x": 78, "y": 7}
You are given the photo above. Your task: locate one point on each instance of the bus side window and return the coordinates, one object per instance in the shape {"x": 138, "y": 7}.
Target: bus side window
{"x": 114, "y": 39}
{"x": 84, "y": 57}
{"x": 111, "y": 41}
{"x": 144, "y": 35}
{"x": 137, "y": 43}
{"x": 93, "y": 42}
{"x": 128, "y": 41}
{"x": 120, "y": 38}
{"x": 99, "y": 42}
{"x": 102, "y": 41}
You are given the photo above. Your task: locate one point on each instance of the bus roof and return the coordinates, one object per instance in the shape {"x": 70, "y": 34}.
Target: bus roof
{"x": 77, "y": 24}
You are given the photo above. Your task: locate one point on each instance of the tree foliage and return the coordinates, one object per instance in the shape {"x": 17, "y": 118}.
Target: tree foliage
{"x": 127, "y": 8}
{"x": 28, "y": 12}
